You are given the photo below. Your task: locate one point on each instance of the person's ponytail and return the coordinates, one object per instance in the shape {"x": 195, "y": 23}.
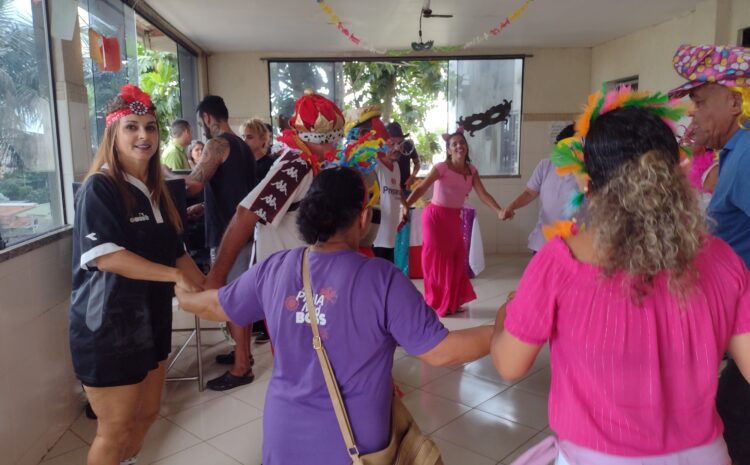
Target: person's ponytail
{"x": 646, "y": 220}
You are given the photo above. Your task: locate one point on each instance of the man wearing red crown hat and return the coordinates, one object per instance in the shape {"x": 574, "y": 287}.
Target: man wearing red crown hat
{"x": 317, "y": 124}
{"x": 719, "y": 86}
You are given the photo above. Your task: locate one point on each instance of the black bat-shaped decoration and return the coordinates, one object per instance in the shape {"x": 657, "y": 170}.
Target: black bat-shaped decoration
{"x": 479, "y": 121}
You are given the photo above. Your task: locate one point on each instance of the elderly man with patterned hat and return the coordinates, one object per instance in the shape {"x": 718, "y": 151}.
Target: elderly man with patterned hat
{"x": 719, "y": 86}
{"x": 317, "y": 124}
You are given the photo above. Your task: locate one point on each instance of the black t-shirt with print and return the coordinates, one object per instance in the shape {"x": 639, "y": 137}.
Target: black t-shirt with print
{"x": 118, "y": 325}
{"x": 408, "y": 154}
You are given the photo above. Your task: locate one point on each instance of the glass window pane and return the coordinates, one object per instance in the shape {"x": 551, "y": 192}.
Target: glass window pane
{"x": 30, "y": 199}
{"x": 290, "y": 79}
{"x": 188, "y": 70}
{"x": 111, "y": 19}
{"x": 475, "y": 86}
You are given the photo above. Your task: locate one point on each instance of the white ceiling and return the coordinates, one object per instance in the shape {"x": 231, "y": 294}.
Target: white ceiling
{"x": 301, "y": 26}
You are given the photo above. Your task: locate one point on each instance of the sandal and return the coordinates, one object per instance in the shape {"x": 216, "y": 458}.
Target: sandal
{"x": 229, "y": 381}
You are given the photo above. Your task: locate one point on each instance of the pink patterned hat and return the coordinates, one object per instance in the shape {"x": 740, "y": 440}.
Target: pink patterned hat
{"x": 720, "y": 64}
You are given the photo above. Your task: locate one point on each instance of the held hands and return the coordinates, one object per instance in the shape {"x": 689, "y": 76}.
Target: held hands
{"x": 184, "y": 282}
{"x": 404, "y": 214}
{"x": 182, "y": 295}
{"x": 195, "y": 211}
{"x": 185, "y": 290}
{"x": 506, "y": 214}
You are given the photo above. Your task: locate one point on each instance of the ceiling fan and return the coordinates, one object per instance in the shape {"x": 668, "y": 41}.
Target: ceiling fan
{"x": 426, "y": 12}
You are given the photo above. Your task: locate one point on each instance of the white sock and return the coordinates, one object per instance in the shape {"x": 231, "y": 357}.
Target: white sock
{"x": 131, "y": 461}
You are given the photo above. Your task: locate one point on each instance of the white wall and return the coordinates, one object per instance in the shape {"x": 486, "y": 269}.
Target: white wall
{"x": 556, "y": 83}
{"x": 39, "y": 395}
{"x": 648, "y": 53}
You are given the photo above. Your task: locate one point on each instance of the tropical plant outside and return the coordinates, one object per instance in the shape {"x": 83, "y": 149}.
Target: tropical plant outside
{"x": 27, "y": 167}
{"x": 158, "y": 76}
{"x": 406, "y": 91}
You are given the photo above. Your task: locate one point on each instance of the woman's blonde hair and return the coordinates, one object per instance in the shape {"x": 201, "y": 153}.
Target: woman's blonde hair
{"x": 643, "y": 212}
{"x": 257, "y": 127}
{"x": 646, "y": 220}
{"x": 107, "y": 155}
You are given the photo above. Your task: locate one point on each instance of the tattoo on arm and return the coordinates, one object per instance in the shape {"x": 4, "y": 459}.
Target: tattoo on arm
{"x": 214, "y": 154}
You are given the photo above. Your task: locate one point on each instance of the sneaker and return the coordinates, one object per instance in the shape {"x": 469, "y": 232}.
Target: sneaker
{"x": 262, "y": 338}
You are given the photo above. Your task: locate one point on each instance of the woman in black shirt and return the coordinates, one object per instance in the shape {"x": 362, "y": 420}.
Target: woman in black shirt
{"x": 127, "y": 255}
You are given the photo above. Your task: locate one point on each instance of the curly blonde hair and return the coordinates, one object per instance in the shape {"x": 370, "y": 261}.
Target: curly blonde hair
{"x": 646, "y": 220}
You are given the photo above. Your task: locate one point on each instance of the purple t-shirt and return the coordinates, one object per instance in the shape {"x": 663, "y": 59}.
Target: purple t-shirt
{"x": 555, "y": 193}
{"x": 365, "y": 307}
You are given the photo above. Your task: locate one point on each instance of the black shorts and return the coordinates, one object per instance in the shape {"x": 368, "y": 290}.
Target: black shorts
{"x": 122, "y": 352}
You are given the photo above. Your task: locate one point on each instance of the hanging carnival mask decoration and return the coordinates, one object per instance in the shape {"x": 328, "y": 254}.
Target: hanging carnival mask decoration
{"x": 478, "y": 121}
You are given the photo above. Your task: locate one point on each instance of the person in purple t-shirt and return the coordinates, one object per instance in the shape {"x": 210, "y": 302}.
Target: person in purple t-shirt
{"x": 554, "y": 193}
{"x": 365, "y": 308}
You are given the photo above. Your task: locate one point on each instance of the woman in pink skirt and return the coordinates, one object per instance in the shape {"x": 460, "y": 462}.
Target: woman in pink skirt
{"x": 446, "y": 280}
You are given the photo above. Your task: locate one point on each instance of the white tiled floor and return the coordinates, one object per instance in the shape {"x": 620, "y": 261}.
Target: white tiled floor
{"x": 475, "y": 417}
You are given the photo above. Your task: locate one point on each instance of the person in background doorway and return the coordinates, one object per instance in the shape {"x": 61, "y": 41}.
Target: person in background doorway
{"x": 174, "y": 156}
{"x": 195, "y": 149}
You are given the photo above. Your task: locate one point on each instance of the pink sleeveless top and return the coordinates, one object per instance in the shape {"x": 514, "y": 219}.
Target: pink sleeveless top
{"x": 452, "y": 188}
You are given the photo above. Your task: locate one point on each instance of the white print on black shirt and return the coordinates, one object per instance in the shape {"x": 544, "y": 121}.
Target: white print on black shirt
{"x": 141, "y": 217}
{"x": 92, "y": 236}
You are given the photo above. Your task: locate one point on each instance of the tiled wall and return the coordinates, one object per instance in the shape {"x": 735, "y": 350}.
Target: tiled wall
{"x": 39, "y": 396}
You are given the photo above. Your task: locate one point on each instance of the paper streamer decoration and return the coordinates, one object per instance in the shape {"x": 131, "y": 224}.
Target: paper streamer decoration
{"x": 358, "y": 41}
{"x": 349, "y": 35}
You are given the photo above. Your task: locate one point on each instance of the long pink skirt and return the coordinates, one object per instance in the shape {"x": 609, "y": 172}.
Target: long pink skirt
{"x": 446, "y": 281}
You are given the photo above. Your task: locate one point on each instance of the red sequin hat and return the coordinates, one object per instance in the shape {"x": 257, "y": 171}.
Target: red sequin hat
{"x": 317, "y": 119}
{"x": 131, "y": 101}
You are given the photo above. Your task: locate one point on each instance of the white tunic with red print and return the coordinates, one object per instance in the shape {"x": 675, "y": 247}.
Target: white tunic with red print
{"x": 285, "y": 185}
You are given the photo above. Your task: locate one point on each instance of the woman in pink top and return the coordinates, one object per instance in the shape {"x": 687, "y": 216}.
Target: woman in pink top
{"x": 638, "y": 310}
{"x": 446, "y": 280}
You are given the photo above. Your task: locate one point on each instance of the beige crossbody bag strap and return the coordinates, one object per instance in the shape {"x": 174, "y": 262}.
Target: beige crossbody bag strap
{"x": 325, "y": 364}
